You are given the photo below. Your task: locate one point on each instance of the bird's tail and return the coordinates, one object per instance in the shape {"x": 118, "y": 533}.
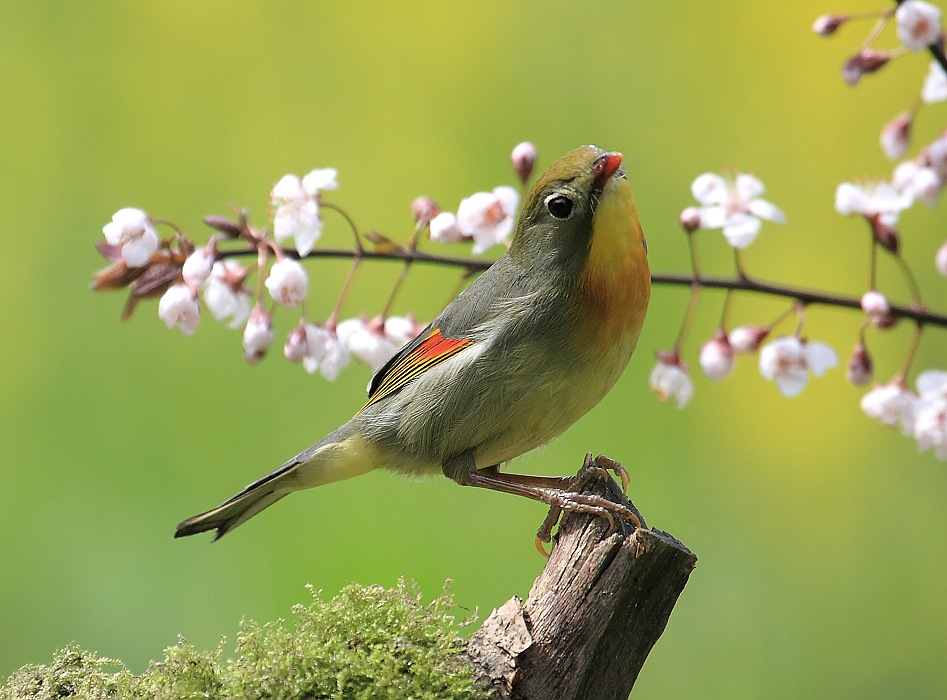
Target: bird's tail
{"x": 340, "y": 455}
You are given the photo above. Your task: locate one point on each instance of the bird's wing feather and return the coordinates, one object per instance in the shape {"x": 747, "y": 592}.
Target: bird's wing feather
{"x": 429, "y": 349}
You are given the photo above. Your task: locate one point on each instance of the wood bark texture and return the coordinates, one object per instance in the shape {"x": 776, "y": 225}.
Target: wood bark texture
{"x": 592, "y": 616}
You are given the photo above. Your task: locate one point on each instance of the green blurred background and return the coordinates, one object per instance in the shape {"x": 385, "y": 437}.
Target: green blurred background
{"x": 820, "y": 533}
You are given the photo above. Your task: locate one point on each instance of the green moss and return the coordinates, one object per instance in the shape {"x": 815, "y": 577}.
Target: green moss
{"x": 368, "y": 642}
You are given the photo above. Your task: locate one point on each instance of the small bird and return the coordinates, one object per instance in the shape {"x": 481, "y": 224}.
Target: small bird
{"x": 526, "y": 350}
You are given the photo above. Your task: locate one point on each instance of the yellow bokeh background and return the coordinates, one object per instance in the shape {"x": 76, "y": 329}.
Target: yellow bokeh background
{"x": 820, "y": 533}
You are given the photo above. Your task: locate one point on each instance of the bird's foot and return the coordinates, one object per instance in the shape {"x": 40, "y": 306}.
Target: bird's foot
{"x": 574, "y": 500}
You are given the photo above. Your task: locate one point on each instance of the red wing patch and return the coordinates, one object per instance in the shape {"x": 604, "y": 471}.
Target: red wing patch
{"x": 431, "y": 351}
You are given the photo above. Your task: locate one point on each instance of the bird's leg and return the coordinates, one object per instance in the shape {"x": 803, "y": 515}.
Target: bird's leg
{"x": 597, "y": 467}
{"x": 545, "y": 482}
{"x": 548, "y": 490}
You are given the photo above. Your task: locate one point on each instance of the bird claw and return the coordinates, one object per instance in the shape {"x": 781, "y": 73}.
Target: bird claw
{"x": 576, "y": 501}
{"x": 607, "y": 464}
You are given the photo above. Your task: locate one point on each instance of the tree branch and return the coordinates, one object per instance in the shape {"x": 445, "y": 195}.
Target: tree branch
{"x": 592, "y": 616}
{"x": 921, "y": 316}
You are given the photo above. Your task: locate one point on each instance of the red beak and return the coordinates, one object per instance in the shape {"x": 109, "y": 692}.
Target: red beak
{"x": 604, "y": 167}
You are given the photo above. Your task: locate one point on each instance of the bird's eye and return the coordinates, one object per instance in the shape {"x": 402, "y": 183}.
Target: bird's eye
{"x": 559, "y": 206}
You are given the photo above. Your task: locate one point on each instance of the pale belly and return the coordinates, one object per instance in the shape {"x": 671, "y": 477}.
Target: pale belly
{"x": 497, "y": 415}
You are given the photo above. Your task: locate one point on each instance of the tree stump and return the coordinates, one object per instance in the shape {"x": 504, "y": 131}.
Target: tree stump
{"x": 592, "y": 616}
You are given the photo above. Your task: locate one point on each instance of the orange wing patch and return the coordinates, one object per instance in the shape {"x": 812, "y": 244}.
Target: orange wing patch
{"x": 431, "y": 351}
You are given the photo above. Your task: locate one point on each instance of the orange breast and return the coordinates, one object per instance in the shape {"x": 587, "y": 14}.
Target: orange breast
{"x": 616, "y": 282}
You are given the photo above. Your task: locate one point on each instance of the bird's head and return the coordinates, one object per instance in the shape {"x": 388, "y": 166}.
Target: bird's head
{"x": 580, "y": 212}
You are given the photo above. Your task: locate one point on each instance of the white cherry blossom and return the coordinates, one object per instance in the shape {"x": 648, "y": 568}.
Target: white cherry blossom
{"x": 917, "y": 181}
{"x": 918, "y": 24}
{"x": 669, "y": 380}
{"x": 930, "y": 426}
{"x": 196, "y": 269}
{"x": 789, "y": 360}
{"x": 297, "y": 207}
{"x": 892, "y": 404}
{"x": 324, "y": 352}
{"x": 366, "y": 342}
{"x": 873, "y": 199}
{"x": 132, "y": 229}
{"x": 178, "y": 307}
{"x": 287, "y": 283}
{"x": 225, "y": 295}
{"x": 734, "y": 206}
{"x": 487, "y": 217}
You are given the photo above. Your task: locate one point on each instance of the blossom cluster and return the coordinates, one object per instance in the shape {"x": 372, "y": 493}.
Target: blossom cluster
{"x": 733, "y": 204}
{"x": 921, "y": 415}
{"x": 788, "y": 361}
{"x": 188, "y": 278}
{"x": 918, "y": 179}
{"x": 918, "y": 28}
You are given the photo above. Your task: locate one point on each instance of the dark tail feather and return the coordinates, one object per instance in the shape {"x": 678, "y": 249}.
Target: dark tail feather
{"x": 339, "y": 455}
{"x": 254, "y": 498}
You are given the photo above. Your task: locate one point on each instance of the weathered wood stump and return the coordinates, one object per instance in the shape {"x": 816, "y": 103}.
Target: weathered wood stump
{"x": 592, "y": 616}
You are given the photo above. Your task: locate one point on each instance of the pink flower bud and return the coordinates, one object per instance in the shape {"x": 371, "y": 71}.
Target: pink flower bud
{"x": 296, "y": 346}
{"x": 875, "y": 304}
{"x": 826, "y": 25}
{"x": 690, "y": 219}
{"x": 523, "y": 158}
{"x": 444, "y": 228}
{"x": 225, "y": 225}
{"x": 424, "y": 209}
{"x": 940, "y": 260}
{"x": 747, "y": 338}
{"x": 716, "y": 357}
{"x": 884, "y": 321}
{"x": 860, "y": 369}
{"x": 873, "y": 60}
{"x": 896, "y": 135}
{"x": 258, "y": 334}
{"x": 885, "y": 235}
{"x": 864, "y": 62}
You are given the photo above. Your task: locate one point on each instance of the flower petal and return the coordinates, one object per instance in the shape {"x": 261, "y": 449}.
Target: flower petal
{"x": 748, "y": 187}
{"x": 932, "y": 383}
{"x": 820, "y": 357}
{"x": 712, "y": 217}
{"x": 741, "y": 230}
{"x": 766, "y": 210}
{"x": 709, "y": 188}
{"x": 792, "y": 381}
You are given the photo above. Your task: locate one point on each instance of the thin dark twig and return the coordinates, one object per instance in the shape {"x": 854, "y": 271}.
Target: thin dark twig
{"x": 745, "y": 284}
{"x": 806, "y": 296}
